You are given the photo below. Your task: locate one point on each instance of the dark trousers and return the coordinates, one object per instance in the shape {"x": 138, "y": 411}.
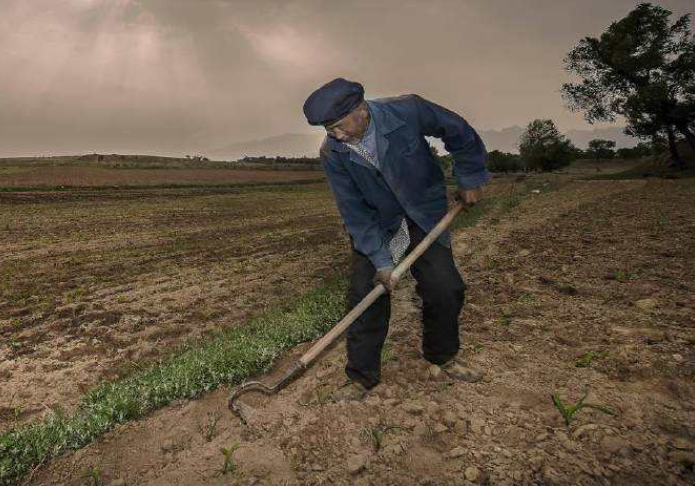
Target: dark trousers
{"x": 442, "y": 290}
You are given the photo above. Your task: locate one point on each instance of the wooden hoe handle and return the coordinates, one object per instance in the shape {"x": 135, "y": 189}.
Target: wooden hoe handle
{"x": 298, "y": 367}
{"x": 379, "y": 290}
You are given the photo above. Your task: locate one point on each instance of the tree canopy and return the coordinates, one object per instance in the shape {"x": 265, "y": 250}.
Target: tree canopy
{"x": 601, "y": 149}
{"x": 543, "y": 147}
{"x": 643, "y": 68}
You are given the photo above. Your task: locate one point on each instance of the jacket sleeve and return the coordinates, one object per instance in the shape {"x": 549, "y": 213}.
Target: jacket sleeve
{"x": 360, "y": 218}
{"x": 460, "y": 140}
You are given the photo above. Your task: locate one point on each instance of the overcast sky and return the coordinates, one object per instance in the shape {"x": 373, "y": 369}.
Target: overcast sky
{"x": 177, "y": 76}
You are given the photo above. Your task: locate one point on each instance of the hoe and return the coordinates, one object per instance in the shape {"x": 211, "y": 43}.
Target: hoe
{"x": 299, "y": 366}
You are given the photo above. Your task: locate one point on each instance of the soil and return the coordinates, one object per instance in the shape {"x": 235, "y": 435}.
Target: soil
{"x": 78, "y": 176}
{"x": 577, "y": 266}
{"x": 94, "y": 285}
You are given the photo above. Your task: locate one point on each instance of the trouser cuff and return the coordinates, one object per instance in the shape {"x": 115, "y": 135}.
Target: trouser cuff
{"x": 362, "y": 379}
{"x": 440, "y": 359}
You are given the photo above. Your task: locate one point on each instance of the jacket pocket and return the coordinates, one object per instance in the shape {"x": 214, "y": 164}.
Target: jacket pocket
{"x": 411, "y": 146}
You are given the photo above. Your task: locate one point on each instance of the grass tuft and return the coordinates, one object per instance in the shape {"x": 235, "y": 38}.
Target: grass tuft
{"x": 586, "y": 359}
{"x": 471, "y": 216}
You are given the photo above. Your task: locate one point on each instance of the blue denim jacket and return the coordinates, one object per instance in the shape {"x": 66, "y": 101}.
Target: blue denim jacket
{"x": 372, "y": 203}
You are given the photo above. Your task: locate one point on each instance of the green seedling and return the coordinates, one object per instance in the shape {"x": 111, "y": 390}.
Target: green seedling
{"x": 208, "y": 429}
{"x": 387, "y": 354}
{"x": 378, "y": 437}
{"x": 621, "y": 276}
{"x": 586, "y": 360}
{"x": 93, "y": 476}
{"x": 663, "y": 221}
{"x": 377, "y": 434}
{"x": 568, "y": 412}
{"x": 228, "y": 453}
{"x": 477, "y": 347}
{"x": 16, "y": 413}
{"x": 15, "y": 345}
{"x": 323, "y": 394}
{"x": 429, "y": 430}
{"x": 504, "y": 321}
{"x": 489, "y": 263}
{"x": 525, "y": 298}
{"x": 507, "y": 203}
{"x": 74, "y": 295}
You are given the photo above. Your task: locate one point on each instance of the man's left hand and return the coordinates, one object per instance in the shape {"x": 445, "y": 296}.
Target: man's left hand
{"x": 469, "y": 196}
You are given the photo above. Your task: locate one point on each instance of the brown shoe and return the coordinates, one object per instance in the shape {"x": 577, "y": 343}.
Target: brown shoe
{"x": 457, "y": 372}
{"x": 349, "y": 391}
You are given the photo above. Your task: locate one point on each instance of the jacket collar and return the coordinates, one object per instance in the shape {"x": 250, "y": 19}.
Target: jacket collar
{"x": 385, "y": 122}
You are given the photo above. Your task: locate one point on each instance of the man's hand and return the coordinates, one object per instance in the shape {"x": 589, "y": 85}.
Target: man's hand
{"x": 385, "y": 278}
{"x": 469, "y": 196}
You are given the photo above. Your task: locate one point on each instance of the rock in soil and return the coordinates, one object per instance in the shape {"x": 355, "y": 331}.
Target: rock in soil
{"x": 413, "y": 408}
{"x": 435, "y": 373}
{"x": 647, "y": 304}
{"x": 472, "y": 474}
{"x": 456, "y": 452}
{"x": 357, "y": 463}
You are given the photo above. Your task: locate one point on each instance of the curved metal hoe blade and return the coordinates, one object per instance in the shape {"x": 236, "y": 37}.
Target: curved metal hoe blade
{"x": 244, "y": 411}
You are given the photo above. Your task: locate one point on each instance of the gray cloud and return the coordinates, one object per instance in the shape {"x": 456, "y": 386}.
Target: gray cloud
{"x": 176, "y": 76}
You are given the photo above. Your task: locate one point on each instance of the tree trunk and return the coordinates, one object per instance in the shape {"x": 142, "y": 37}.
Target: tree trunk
{"x": 688, "y": 135}
{"x": 675, "y": 157}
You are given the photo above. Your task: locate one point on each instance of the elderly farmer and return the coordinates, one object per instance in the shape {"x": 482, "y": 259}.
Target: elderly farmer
{"x": 390, "y": 192}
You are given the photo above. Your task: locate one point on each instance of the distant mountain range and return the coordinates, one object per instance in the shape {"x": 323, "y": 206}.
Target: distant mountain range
{"x": 307, "y": 144}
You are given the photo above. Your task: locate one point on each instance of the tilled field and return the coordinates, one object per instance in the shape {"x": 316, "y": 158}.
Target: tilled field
{"x": 95, "y": 283}
{"x": 78, "y": 176}
{"x": 585, "y": 287}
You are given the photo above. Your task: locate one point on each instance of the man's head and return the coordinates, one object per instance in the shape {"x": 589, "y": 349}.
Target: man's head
{"x": 340, "y": 107}
{"x": 351, "y": 127}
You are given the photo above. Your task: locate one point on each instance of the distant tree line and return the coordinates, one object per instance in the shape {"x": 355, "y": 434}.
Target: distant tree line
{"x": 543, "y": 148}
{"x": 281, "y": 160}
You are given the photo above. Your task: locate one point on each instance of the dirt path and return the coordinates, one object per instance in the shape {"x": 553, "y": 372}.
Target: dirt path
{"x": 602, "y": 267}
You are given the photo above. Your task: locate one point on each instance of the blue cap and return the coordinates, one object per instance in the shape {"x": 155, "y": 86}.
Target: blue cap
{"x": 333, "y": 101}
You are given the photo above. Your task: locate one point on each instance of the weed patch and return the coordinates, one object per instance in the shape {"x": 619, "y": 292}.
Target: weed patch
{"x": 585, "y": 360}
{"x": 469, "y": 217}
{"x": 387, "y": 354}
{"x": 227, "y": 358}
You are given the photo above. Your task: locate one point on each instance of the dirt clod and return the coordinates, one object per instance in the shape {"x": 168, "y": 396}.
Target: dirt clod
{"x": 647, "y": 304}
{"x": 457, "y": 452}
{"x": 357, "y": 463}
{"x": 472, "y": 474}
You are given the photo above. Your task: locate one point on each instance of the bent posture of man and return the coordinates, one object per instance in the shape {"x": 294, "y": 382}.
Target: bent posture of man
{"x": 390, "y": 191}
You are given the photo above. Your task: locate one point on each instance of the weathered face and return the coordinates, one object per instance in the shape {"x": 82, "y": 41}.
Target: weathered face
{"x": 351, "y": 127}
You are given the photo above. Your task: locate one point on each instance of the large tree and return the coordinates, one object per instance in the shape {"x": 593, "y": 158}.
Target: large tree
{"x": 601, "y": 149}
{"x": 543, "y": 147}
{"x": 643, "y": 68}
